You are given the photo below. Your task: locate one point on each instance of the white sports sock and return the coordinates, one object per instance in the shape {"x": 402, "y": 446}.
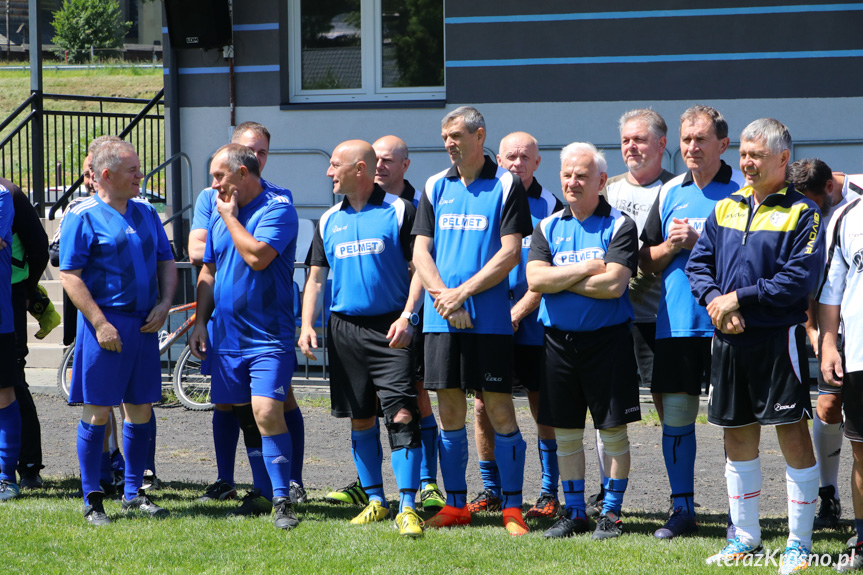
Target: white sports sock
{"x": 744, "y": 492}
{"x": 802, "y": 485}
{"x": 827, "y": 438}
{"x": 600, "y": 455}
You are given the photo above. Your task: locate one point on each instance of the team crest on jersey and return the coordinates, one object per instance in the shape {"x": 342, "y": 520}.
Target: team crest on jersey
{"x": 857, "y": 260}
{"x": 574, "y": 257}
{"x": 468, "y": 222}
{"x": 359, "y": 248}
{"x": 697, "y": 224}
{"x": 778, "y": 218}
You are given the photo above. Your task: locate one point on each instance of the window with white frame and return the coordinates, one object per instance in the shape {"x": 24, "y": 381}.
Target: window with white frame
{"x": 366, "y": 50}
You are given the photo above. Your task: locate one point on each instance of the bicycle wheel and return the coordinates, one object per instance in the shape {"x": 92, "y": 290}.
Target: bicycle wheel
{"x": 191, "y": 388}
{"x": 64, "y": 374}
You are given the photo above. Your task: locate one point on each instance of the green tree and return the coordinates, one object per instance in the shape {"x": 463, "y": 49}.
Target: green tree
{"x": 84, "y": 23}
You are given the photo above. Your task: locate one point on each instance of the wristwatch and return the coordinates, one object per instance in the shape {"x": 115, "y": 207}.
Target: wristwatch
{"x": 412, "y": 318}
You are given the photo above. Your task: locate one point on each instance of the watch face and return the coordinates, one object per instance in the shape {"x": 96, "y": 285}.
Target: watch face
{"x": 415, "y": 319}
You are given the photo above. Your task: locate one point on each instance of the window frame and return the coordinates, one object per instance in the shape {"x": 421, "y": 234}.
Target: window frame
{"x": 371, "y": 57}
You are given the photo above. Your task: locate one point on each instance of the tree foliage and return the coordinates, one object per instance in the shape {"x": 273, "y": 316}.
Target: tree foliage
{"x": 84, "y": 23}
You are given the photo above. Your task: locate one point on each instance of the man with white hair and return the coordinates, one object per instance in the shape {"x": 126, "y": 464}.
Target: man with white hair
{"x": 581, "y": 260}
{"x": 683, "y": 328}
{"x": 753, "y": 268}
{"x": 519, "y": 153}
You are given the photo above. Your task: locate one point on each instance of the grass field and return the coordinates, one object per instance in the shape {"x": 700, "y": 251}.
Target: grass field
{"x": 45, "y": 533}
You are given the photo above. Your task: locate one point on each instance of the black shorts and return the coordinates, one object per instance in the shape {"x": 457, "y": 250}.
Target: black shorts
{"x": 363, "y": 368}
{"x": 589, "y": 370}
{"x": 8, "y": 358}
{"x": 765, "y": 382}
{"x": 644, "y": 338}
{"x": 852, "y": 404}
{"x": 482, "y": 362}
{"x": 526, "y": 367}
{"x": 681, "y": 365}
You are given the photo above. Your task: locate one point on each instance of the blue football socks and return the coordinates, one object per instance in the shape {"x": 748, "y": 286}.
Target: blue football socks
{"x": 678, "y": 448}
{"x": 226, "y": 433}
{"x": 490, "y": 475}
{"x": 297, "y": 429}
{"x": 406, "y": 468}
{"x": 368, "y": 458}
{"x": 276, "y": 450}
{"x": 10, "y": 441}
{"x": 453, "y": 465}
{"x": 614, "y": 490}
{"x": 136, "y": 446}
{"x": 548, "y": 461}
{"x": 573, "y": 498}
{"x": 89, "y": 446}
{"x": 428, "y": 466}
{"x": 509, "y": 451}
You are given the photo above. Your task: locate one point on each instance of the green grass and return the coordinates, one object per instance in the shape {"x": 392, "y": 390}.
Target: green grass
{"x": 45, "y": 533}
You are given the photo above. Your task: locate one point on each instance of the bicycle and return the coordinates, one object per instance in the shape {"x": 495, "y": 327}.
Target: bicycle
{"x": 190, "y": 387}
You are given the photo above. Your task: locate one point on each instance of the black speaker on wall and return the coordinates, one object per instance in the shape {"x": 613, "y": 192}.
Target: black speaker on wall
{"x": 198, "y": 23}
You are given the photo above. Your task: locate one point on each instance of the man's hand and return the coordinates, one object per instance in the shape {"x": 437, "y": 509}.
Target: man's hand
{"x": 108, "y": 337}
{"x": 732, "y": 323}
{"x": 722, "y": 305}
{"x": 198, "y": 342}
{"x": 229, "y": 207}
{"x": 308, "y": 341}
{"x": 460, "y": 319}
{"x": 156, "y": 318}
{"x": 681, "y": 235}
{"x": 448, "y": 300}
{"x": 400, "y": 333}
{"x": 831, "y": 365}
{"x": 812, "y": 334}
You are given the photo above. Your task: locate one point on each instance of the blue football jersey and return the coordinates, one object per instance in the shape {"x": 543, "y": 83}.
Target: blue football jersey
{"x": 254, "y": 309}
{"x": 205, "y": 203}
{"x": 117, "y": 253}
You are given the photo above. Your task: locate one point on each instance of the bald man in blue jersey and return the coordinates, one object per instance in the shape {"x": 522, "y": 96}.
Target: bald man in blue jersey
{"x": 247, "y": 280}
{"x": 117, "y": 266}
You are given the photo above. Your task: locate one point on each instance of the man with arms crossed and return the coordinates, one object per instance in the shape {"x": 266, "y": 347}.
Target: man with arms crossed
{"x": 683, "y": 328}
{"x": 366, "y": 241}
{"x": 642, "y": 145}
{"x": 753, "y": 267}
{"x": 115, "y": 239}
{"x": 581, "y": 260}
{"x": 247, "y": 279}
{"x": 519, "y": 153}
{"x": 226, "y": 429}
{"x": 470, "y": 223}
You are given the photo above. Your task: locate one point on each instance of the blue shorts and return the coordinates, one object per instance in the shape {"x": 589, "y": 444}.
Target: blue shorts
{"x": 235, "y": 379}
{"x": 101, "y": 377}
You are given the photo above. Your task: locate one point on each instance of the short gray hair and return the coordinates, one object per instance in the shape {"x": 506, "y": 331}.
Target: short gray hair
{"x": 236, "y": 155}
{"x": 576, "y": 148}
{"x": 473, "y": 120}
{"x": 107, "y": 156}
{"x": 101, "y": 140}
{"x": 654, "y": 121}
{"x": 720, "y": 126}
{"x": 772, "y": 133}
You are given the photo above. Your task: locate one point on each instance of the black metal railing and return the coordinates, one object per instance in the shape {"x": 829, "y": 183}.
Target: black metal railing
{"x": 66, "y": 134}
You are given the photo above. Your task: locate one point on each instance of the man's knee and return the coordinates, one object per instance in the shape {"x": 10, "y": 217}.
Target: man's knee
{"x": 569, "y": 441}
{"x": 615, "y": 440}
{"x": 829, "y": 408}
{"x": 246, "y": 418}
{"x": 679, "y": 409}
{"x": 403, "y": 428}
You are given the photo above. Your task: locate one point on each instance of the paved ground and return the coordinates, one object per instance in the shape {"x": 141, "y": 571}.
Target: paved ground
{"x": 185, "y": 453}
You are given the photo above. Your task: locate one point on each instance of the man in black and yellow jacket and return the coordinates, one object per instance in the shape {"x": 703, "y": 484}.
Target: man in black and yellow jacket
{"x": 753, "y": 268}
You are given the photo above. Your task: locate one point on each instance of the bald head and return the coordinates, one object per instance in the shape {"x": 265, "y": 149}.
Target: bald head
{"x": 519, "y": 154}
{"x": 392, "y": 163}
{"x": 352, "y": 167}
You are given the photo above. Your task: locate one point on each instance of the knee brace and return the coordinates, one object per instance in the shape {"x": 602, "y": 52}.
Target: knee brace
{"x": 679, "y": 410}
{"x": 615, "y": 440}
{"x": 404, "y": 435}
{"x": 251, "y": 434}
{"x": 569, "y": 441}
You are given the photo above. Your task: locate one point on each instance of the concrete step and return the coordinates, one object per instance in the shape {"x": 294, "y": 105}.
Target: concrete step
{"x": 45, "y": 355}
{"x": 53, "y": 287}
{"x": 50, "y": 226}
{"x": 56, "y": 335}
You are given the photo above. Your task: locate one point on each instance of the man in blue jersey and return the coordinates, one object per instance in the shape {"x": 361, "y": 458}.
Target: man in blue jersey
{"x": 519, "y": 153}
{"x": 683, "y": 328}
{"x": 365, "y": 240}
{"x": 470, "y": 223}
{"x": 226, "y": 430}
{"x": 753, "y": 268}
{"x": 117, "y": 267}
{"x": 245, "y": 285}
{"x": 581, "y": 260}
{"x": 10, "y": 414}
